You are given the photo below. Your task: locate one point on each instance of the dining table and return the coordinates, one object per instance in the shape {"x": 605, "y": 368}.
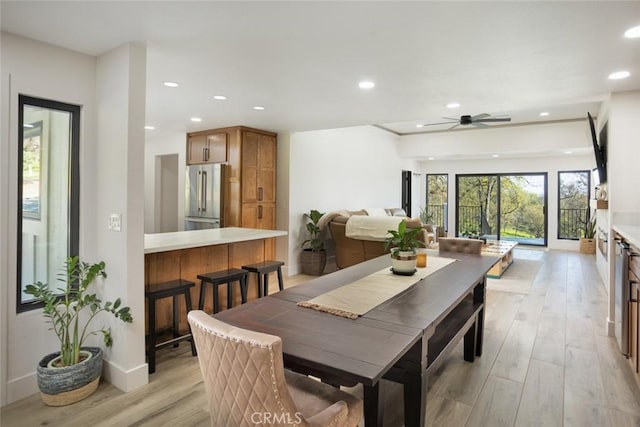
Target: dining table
{"x": 403, "y": 339}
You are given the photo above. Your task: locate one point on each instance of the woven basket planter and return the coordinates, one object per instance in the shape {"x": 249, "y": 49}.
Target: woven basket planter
{"x": 313, "y": 263}
{"x": 587, "y": 246}
{"x": 69, "y": 384}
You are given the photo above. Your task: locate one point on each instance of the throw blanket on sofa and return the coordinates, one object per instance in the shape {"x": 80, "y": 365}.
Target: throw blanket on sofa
{"x": 376, "y": 228}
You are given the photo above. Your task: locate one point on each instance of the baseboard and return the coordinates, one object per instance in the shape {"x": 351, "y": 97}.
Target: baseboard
{"x": 22, "y": 387}
{"x": 611, "y": 328}
{"x": 126, "y": 380}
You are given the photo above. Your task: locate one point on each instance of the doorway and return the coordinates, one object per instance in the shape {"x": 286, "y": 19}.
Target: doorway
{"x": 166, "y": 193}
{"x": 503, "y": 206}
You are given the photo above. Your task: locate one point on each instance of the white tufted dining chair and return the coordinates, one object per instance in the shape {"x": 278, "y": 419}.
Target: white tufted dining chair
{"x": 247, "y": 384}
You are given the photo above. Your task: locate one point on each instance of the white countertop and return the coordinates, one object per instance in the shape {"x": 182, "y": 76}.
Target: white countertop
{"x": 162, "y": 242}
{"x": 631, "y": 233}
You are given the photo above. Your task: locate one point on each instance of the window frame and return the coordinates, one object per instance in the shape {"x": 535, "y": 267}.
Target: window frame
{"x": 73, "y": 196}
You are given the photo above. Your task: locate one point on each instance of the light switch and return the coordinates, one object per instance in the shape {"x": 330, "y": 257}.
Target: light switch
{"x": 115, "y": 222}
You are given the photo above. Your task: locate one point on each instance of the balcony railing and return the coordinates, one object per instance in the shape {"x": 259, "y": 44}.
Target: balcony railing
{"x": 571, "y": 223}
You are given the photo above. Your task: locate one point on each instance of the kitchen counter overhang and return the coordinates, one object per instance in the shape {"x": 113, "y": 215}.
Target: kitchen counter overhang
{"x": 163, "y": 242}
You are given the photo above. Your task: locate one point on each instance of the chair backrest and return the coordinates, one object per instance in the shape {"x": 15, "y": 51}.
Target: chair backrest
{"x": 243, "y": 373}
{"x": 453, "y": 244}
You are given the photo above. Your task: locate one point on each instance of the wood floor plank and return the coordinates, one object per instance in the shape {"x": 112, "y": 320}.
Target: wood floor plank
{"x": 617, "y": 378}
{"x": 513, "y": 360}
{"x": 580, "y": 413}
{"x": 445, "y": 412}
{"x": 582, "y": 377}
{"x": 497, "y": 404}
{"x": 542, "y": 397}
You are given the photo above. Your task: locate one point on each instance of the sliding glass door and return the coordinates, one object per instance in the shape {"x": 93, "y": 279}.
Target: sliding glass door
{"x": 503, "y": 206}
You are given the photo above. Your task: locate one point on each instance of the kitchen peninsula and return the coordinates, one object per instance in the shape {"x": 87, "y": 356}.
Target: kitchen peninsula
{"x": 185, "y": 254}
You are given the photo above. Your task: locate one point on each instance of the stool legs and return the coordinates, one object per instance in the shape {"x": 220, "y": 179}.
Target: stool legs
{"x": 152, "y": 335}
{"x": 280, "y": 281}
{"x": 266, "y": 284}
{"x": 187, "y": 300}
{"x": 176, "y": 318}
{"x": 243, "y": 289}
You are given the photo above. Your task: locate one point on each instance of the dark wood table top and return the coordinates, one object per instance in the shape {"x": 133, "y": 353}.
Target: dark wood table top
{"x": 359, "y": 350}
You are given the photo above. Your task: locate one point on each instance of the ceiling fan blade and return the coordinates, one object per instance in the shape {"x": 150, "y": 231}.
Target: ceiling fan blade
{"x": 479, "y": 125}
{"x": 440, "y": 123}
{"x": 454, "y": 126}
{"x": 496, "y": 119}
{"x": 479, "y": 116}
{"x": 452, "y": 118}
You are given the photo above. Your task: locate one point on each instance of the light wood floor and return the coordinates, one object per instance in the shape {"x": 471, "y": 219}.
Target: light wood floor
{"x": 547, "y": 362}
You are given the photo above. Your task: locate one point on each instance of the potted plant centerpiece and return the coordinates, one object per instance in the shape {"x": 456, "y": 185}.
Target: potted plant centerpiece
{"x": 313, "y": 258}
{"x": 73, "y": 373}
{"x": 403, "y": 242}
{"x": 588, "y": 241}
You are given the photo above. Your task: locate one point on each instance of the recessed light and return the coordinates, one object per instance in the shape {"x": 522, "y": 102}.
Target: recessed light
{"x": 196, "y": 119}
{"x": 619, "y": 75}
{"x": 259, "y": 108}
{"x": 568, "y": 152}
{"x": 544, "y": 114}
{"x": 431, "y": 158}
{"x": 219, "y": 97}
{"x": 366, "y": 85}
{"x": 419, "y": 125}
{"x": 632, "y": 33}
{"x": 27, "y": 125}
{"x": 171, "y": 84}
{"x": 149, "y": 127}
{"x": 495, "y": 155}
{"x": 453, "y": 105}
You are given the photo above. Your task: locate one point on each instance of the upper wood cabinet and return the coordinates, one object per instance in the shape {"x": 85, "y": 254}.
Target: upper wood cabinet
{"x": 206, "y": 147}
{"x": 258, "y": 168}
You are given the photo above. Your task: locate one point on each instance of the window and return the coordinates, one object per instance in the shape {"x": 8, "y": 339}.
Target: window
{"x": 436, "y": 210}
{"x": 573, "y": 203}
{"x": 48, "y": 192}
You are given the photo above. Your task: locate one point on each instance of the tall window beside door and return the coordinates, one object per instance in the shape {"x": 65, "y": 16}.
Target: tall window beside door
{"x": 48, "y": 192}
{"x": 573, "y": 203}
{"x": 436, "y": 209}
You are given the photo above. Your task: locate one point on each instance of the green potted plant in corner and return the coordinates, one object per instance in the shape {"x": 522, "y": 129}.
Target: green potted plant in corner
{"x": 73, "y": 373}
{"x": 403, "y": 242}
{"x": 588, "y": 241}
{"x": 313, "y": 257}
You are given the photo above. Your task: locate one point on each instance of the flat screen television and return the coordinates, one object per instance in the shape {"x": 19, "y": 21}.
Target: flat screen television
{"x": 599, "y": 149}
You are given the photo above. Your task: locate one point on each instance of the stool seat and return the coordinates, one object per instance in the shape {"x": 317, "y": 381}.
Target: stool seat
{"x": 221, "y": 277}
{"x": 156, "y": 291}
{"x": 263, "y": 269}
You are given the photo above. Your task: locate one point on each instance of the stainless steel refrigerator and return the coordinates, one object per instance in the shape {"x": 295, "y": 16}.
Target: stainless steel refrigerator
{"x": 204, "y": 196}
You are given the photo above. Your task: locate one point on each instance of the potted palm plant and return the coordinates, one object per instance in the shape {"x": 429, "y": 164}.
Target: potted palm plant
{"x": 588, "y": 241}
{"x": 73, "y": 373}
{"x": 403, "y": 243}
{"x": 313, "y": 258}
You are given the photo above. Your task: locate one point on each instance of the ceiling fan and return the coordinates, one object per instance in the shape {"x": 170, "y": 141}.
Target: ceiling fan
{"x": 478, "y": 120}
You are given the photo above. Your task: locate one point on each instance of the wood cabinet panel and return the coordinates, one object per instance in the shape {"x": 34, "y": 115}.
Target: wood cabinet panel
{"x": 634, "y": 261}
{"x": 217, "y": 146}
{"x": 196, "y": 147}
{"x": 244, "y": 253}
{"x": 250, "y": 166}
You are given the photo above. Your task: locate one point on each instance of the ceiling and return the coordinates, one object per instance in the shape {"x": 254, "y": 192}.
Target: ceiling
{"x": 302, "y": 61}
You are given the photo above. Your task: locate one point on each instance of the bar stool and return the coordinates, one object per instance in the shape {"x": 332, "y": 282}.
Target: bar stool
{"x": 221, "y": 277}
{"x": 263, "y": 269}
{"x": 155, "y": 292}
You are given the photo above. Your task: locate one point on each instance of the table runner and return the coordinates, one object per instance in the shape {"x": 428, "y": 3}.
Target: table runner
{"x": 357, "y": 298}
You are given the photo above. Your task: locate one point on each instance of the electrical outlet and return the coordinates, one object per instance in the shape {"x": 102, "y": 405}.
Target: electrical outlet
{"x": 115, "y": 222}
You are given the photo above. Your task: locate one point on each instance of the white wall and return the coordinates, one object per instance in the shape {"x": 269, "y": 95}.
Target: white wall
{"x": 622, "y": 111}
{"x": 120, "y": 106}
{"x": 349, "y": 168}
{"x": 111, "y": 180}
